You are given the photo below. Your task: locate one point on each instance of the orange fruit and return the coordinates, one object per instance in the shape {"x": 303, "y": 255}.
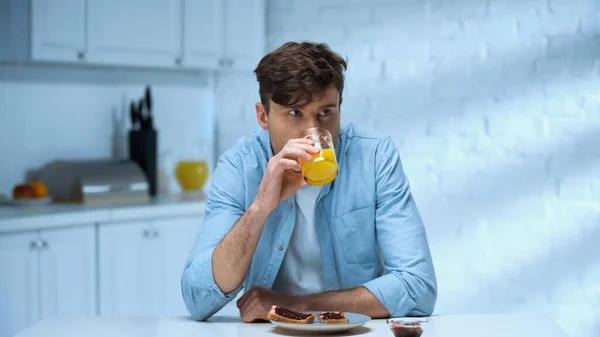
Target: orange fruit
{"x": 40, "y": 189}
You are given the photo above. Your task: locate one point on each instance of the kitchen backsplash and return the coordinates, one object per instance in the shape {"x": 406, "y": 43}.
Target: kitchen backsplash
{"x": 41, "y": 122}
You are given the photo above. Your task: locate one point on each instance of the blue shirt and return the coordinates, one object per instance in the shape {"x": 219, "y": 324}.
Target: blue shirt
{"x": 370, "y": 231}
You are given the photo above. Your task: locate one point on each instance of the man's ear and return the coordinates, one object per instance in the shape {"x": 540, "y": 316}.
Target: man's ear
{"x": 261, "y": 116}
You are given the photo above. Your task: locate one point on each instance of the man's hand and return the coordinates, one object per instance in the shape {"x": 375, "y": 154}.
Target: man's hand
{"x": 280, "y": 181}
{"x": 256, "y": 303}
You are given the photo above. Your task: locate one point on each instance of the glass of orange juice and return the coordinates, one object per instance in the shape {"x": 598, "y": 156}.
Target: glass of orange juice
{"x": 323, "y": 167}
{"x": 191, "y": 174}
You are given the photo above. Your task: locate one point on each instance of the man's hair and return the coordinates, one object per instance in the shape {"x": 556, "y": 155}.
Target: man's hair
{"x": 297, "y": 74}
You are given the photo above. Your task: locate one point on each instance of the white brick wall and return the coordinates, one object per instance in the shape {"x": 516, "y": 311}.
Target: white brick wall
{"x": 494, "y": 105}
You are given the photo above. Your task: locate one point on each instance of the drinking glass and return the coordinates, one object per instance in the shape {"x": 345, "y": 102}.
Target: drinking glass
{"x": 322, "y": 168}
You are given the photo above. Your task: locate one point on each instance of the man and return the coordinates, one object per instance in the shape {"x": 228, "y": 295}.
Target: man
{"x": 356, "y": 244}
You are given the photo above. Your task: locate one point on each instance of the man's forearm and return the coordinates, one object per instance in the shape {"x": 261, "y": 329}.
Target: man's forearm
{"x": 232, "y": 256}
{"x": 359, "y": 300}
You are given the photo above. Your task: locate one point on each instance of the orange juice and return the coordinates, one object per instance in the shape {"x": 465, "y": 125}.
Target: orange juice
{"x": 322, "y": 169}
{"x": 191, "y": 174}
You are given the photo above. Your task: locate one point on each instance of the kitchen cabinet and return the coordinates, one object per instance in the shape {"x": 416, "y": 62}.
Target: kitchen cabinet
{"x": 176, "y": 240}
{"x": 203, "y": 33}
{"x": 19, "y": 277}
{"x": 245, "y": 23}
{"x": 166, "y": 34}
{"x": 68, "y": 272}
{"x": 134, "y": 32}
{"x": 224, "y": 34}
{"x": 58, "y": 30}
{"x": 45, "y": 274}
{"x": 127, "y": 275}
{"x": 141, "y": 264}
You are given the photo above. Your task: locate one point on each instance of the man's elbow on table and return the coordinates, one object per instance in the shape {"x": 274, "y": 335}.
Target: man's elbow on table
{"x": 197, "y": 298}
{"x": 201, "y": 295}
{"x": 405, "y": 294}
{"x": 425, "y": 299}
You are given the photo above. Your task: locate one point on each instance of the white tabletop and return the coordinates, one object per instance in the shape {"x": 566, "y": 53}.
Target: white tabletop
{"x": 230, "y": 326}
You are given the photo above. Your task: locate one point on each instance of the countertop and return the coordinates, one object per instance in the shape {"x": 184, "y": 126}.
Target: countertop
{"x": 22, "y": 218}
{"x": 230, "y": 325}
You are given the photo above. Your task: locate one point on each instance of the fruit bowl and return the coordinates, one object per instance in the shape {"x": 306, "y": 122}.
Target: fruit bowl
{"x": 31, "y": 194}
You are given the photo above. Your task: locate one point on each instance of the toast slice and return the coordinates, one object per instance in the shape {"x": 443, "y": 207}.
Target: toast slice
{"x": 289, "y": 316}
{"x": 333, "y": 317}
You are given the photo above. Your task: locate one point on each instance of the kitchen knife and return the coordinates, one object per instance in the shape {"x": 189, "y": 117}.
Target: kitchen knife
{"x": 133, "y": 115}
{"x": 149, "y": 107}
{"x": 141, "y": 114}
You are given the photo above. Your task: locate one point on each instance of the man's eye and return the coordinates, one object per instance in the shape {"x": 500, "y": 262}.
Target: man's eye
{"x": 325, "y": 112}
{"x": 294, "y": 113}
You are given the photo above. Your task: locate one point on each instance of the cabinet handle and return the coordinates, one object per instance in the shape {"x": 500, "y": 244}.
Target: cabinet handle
{"x": 81, "y": 55}
{"x": 178, "y": 61}
{"x": 44, "y": 244}
{"x": 155, "y": 234}
{"x": 33, "y": 245}
{"x": 146, "y": 233}
{"x": 222, "y": 62}
{"x": 229, "y": 62}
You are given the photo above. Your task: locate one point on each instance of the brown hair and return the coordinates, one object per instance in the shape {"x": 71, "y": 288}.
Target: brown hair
{"x": 299, "y": 73}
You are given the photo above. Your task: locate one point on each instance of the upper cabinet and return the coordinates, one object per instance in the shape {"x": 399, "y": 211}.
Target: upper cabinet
{"x": 57, "y": 30}
{"x": 244, "y": 33}
{"x": 203, "y": 24}
{"x": 134, "y": 32}
{"x": 175, "y": 34}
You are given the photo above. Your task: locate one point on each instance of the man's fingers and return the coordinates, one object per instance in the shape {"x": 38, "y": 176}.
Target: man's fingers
{"x": 254, "y": 315}
{"x": 289, "y": 164}
{"x": 295, "y": 152}
{"x": 244, "y": 298}
{"x": 306, "y": 147}
{"x": 247, "y": 307}
{"x": 250, "y": 311}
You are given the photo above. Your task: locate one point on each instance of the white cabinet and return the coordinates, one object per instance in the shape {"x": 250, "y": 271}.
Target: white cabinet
{"x": 203, "y": 33}
{"x": 68, "y": 272}
{"x": 224, "y": 34}
{"x": 244, "y": 33}
{"x": 176, "y": 239}
{"x": 141, "y": 265}
{"x": 19, "y": 277}
{"x": 58, "y": 30}
{"x": 46, "y": 274}
{"x": 134, "y": 32}
{"x": 126, "y": 270}
{"x": 168, "y": 34}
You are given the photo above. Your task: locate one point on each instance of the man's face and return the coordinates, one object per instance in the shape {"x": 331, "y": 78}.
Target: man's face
{"x": 285, "y": 123}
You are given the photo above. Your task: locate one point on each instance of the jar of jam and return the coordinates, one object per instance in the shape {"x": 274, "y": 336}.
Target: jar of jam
{"x": 406, "y": 328}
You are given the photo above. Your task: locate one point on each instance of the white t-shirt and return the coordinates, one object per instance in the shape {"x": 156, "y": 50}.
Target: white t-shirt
{"x": 301, "y": 271}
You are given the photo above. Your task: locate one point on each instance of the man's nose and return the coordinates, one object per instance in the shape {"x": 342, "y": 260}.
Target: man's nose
{"x": 313, "y": 122}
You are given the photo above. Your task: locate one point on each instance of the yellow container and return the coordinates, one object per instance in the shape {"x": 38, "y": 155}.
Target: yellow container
{"x": 191, "y": 174}
{"x": 323, "y": 167}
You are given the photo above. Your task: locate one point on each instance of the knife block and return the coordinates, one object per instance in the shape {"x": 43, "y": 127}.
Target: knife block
{"x": 142, "y": 150}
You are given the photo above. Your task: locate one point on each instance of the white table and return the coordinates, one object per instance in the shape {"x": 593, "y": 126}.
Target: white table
{"x": 230, "y": 326}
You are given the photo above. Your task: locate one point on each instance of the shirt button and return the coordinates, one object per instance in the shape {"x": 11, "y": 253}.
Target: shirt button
{"x": 289, "y": 205}
{"x": 280, "y": 246}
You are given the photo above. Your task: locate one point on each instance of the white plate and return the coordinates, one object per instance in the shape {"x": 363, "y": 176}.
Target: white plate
{"x": 26, "y": 202}
{"x": 356, "y": 320}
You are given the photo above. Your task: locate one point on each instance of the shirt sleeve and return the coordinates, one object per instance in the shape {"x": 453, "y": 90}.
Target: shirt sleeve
{"x": 408, "y": 286}
{"x": 202, "y": 296}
